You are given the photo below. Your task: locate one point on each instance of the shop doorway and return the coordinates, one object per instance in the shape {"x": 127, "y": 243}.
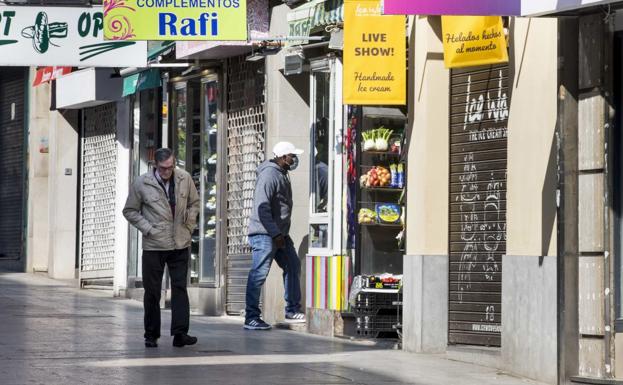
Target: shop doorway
{"x": 146, "y": 118}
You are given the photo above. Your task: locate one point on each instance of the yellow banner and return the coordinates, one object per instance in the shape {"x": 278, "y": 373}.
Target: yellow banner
{"x": 375, "y": 62}
{"x": 175, "y": 20}
{"x": 473, "y": 41}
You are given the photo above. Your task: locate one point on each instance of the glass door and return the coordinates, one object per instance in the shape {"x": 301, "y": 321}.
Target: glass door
{"x": 146, "y": 134}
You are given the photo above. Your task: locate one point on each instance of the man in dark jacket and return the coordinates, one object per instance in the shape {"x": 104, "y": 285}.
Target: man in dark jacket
{"x": 269, "y": 229}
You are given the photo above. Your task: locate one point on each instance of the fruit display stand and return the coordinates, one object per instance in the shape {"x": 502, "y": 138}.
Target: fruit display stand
{"x": 380, "y": 206}
{"x": 379, "y": 210}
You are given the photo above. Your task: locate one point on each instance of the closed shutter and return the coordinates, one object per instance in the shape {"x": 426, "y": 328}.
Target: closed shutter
{"x": 12, "y": 94}
{"x": 478, "y": 163}
{"x": 245, "y": 141}
{"x": 99, "y": 173}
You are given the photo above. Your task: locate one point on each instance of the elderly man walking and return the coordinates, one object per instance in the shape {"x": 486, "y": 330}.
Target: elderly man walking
{"x": 163, "y": 205}
{"x": 269, "y": 236}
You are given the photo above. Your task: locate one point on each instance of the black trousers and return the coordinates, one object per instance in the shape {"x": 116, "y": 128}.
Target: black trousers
{"x": 153, "y": 270}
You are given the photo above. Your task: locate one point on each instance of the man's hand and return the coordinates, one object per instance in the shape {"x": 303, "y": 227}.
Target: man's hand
{"x": 280, "y": 241}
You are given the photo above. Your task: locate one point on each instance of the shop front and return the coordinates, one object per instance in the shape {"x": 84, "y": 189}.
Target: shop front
{"x": 350, "y": 252}
{"x": 196, "y": 138}
{"x": 217, "y": 130}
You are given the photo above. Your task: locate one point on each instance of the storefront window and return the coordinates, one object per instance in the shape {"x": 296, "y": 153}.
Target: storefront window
{"x": 180, "y": 124}
{"x": 197, "y": 135}
{"x": 320, "y": 172}
{"x": 209, "y": 188}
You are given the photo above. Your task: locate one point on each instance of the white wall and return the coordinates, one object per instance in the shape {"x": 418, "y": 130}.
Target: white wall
{"x": 52, "y": 194}
{"x": 287, "y": 120}
{"x": 37, "y": 248}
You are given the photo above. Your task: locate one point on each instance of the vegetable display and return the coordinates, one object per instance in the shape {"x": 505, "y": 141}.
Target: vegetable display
{"x": 377, "y": 139}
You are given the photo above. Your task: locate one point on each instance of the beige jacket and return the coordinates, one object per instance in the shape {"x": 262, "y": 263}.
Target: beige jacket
{"x": 147, "y": 208}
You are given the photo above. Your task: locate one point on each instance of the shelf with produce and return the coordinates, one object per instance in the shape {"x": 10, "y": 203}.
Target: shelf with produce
{"x": 374, "y": 152}
{"x": 397, "y": 226}
{"x": 383, "y": 189}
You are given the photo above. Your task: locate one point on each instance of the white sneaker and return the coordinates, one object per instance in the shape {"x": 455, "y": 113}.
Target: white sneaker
{"x": 295, "y": 318}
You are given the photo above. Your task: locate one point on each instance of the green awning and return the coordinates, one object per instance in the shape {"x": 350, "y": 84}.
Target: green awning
{"x": 143, "y": 80}
{"x": 313, "y": 15}
{"x": 155, "y": 48}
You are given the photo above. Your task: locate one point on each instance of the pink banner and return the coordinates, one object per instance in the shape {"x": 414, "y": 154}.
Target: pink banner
{"x": 453, "y": 7}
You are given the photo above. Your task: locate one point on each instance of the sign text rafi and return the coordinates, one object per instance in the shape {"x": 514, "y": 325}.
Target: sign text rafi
{"x": 175, "y": 19}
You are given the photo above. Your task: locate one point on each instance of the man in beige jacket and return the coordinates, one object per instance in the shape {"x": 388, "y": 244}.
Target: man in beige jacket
{"x": 163, "y": 204}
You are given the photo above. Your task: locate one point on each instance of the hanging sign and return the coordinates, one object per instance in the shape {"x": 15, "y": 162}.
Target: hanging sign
{"x": 375, "y": 62}
{"x": 453, "y": 7}
{"x": 473, "y": 40}
{"x": 62, "y": 36}
{"x": 45, "y": 74}
{"x": 175, "y": 20}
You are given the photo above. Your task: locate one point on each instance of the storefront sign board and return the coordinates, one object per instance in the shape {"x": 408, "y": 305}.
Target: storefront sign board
{"x": 62, "y": 36}
{"x": 473, "y": 40}
{"x": 453, "y": 7}
{"x": 175, "y": 20}
{"x": 375, "y": 63}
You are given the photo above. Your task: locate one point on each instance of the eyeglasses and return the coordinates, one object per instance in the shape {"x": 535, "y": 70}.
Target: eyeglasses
{"x": 160, "y": 168}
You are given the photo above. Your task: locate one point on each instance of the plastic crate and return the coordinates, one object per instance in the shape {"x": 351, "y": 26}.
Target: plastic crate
{"x": 378, "y": 326}
{"x": 374, "y": 302}
{"x": 377, "y": 322}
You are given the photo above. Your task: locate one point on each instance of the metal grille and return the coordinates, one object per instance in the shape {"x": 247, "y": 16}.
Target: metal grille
{"x": 99, "y": 160}
{"x": 478, "y": 162}
{"x": 12, "y": 86}
{"x": 245, "y": 142}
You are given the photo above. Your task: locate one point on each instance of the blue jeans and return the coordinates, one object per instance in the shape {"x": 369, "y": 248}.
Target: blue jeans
{"x": 264, "y": 251}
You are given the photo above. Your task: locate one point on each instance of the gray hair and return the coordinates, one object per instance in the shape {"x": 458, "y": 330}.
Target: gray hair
{"x": 162, "y": 154}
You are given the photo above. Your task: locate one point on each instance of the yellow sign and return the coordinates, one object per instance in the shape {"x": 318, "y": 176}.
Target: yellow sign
{"x": 473, "y": 41}
{"x": 375, "y": 58}
{"x": 175, "y": 20}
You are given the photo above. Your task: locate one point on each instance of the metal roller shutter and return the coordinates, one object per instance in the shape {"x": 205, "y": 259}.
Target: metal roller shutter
{"x": 245, "y": 146}
{"x": 478, "y": 163}
{"x": 12, "y": 95}
{"x": 99, "y": 173}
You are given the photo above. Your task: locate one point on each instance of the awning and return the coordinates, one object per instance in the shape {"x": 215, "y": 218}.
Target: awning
{"x": 157, "y": 48}
{"x": 143, "y": 80}
{"x": 45, "y": 74}
{"x": 314, "y": 15}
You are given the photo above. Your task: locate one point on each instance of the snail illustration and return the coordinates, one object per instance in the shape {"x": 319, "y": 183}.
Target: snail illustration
{"x": 42, "y": 32}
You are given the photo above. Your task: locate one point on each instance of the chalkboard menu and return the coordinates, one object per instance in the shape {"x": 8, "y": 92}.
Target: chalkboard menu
{"x": 479, "y": 109}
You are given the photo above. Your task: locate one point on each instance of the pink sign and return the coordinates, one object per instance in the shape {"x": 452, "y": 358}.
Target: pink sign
{"x": 453, "y": 7}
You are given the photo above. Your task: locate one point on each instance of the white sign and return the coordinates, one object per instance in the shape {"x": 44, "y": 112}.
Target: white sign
{"x": 59, "y": 36}
{"x": 544, "y": 7}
